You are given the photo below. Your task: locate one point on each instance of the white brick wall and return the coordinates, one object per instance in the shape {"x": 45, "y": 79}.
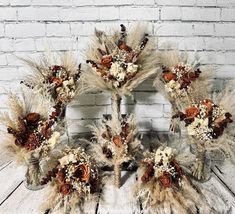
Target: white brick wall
{"x": 28, "y": 26}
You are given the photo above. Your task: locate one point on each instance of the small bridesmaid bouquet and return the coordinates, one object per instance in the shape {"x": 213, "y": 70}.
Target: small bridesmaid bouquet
{"x": 73, "y": 181}
{"x": 116, "y": 143}
{"x": 31, "y": 132}
{"x": 209, "y": 123}
{"x": 55, "y": 76}
{"x": 163, "y": 187}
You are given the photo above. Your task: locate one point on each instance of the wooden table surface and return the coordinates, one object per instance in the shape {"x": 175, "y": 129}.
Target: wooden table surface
{"x": 15, "y": 198}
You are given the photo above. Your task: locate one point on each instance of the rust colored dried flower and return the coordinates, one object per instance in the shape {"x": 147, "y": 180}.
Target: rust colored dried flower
{"x": 168, "y": 76}
{"x": 33, "y": 141}
{"x": 166, "y": 180}
{"x": 148, "y": 173}
{"x": 82, "y": 172}
{"x": 107, "y": 152}
{"x": 191, "y": 112}
{"x": 117, "y": 139}
{"x": 123, "y": 46}
{"x": 106, "y": 61}
{"x": 32, "y": 117}
{"x": 61, "y": 175}
{"x": 65, "y": 189}
{"x": 22, "y": 125}
{"x": 57, "y": 81}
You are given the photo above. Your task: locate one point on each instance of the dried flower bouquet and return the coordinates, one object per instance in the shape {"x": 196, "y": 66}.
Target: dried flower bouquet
{"x": 73, "y": 181}
{"x": 30, "y": 131}
{"x": 211, "y": 127}
{"x": 163, "y": 187}
{"x": 120, "y": 62}
{"x": 56, "y": 75}
{"x": 116, "y": 143}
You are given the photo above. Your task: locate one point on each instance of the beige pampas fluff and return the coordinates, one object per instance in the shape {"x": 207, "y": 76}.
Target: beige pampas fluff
{"x": 119, "y": 62}
{"x": 164, "y": 188}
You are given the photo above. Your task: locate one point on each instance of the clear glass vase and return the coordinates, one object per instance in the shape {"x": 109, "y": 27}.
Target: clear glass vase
{"x": 201, "y": 168}
{"x": 33, "y": 174}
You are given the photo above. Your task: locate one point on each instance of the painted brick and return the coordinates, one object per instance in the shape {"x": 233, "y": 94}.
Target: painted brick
{"x": 176, "y": 2}
{"x": 7, "y": 14}
{"x": 25, "y": 30}
{"x": 229, "y": 43}
{"x": 6, "y": 45}
{"x": 24, "y": 45}
{"x": 109, "y": 13}
{"x": 204, "y": 29}
{"x": 225, "y": 29}
{"x": 201, "y": 14}
{"x": 228, "y": 14}
{"x": 129, "y": 13}
{"x": 42, "y": 13}
{"x": 58, "y": 29}
{"x": 171, "y": 13}
{"x": 155, "y": 110}
{"x": 160, "y": 124}
{"x": 173, "y": 29}
{"x": 79, "y": 13}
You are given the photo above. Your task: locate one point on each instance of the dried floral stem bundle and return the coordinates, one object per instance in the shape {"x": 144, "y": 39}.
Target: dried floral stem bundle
{"x": 120, "y": 62}
{"x": 116, "y": 143}
{"x": 73, "y": 181}
{"x": 164, "y": 188}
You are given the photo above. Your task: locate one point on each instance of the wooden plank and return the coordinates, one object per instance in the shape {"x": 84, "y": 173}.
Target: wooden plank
{"x": 121, "y": 200}
{"x": 23, "y": 201}
{"x": 27, "y": 201}
{"x": 4, "y": 160}
{"x": 10, "y": 176}
{"x": 215, "y": 186}
{"x": 226, "y": 173}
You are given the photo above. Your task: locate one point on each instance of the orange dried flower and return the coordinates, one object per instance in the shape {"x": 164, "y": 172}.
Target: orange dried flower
{"x": 168, "y": 76}
{"x": 106, "y": 61}
{"x": 65, "y": 189}
{"x": 125, "y": 47}
{"x": 191, "y": 112}
{"x": 117, "y": 140}
{"x": 58, "y": 81}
